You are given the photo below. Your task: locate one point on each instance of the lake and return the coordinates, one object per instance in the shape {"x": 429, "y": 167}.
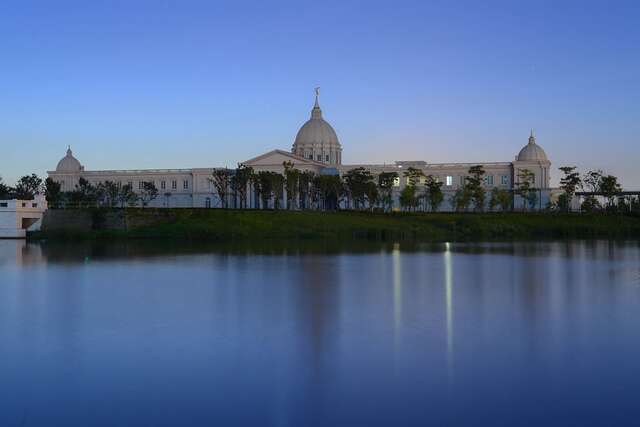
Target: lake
{"x": 306, "y": 334}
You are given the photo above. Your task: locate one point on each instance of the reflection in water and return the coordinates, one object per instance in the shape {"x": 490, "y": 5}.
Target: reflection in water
{"x": 448, "y": 283}
{"x": 397, "y": 291}
{"x": 319, "y": 334}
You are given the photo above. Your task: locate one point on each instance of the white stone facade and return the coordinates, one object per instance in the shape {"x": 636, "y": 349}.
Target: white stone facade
{"x": 18, "y": 216}
{"x": 316, "y": 148}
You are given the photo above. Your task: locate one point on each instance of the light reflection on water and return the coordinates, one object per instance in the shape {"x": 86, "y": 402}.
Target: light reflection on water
{"x": 142, "y": 333}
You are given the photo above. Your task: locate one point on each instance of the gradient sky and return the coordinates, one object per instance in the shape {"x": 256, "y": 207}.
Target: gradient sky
{"x": 172, "y": 84}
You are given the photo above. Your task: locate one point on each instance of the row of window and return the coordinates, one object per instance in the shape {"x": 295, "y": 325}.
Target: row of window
{"x": 448, "y": 181}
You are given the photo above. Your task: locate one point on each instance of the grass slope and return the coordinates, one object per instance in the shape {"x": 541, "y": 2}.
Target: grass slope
{"x": 217, "y": 224}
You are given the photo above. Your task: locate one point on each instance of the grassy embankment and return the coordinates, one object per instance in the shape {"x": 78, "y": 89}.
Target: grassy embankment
{"x": 217, "y": 224}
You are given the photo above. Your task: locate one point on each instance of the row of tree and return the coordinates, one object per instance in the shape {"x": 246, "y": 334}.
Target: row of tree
{"x": 596, "y": 184}
{"x": 357, "y": 189}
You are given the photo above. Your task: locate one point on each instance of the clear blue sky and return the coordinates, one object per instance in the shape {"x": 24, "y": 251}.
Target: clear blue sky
{"x": 155, "y": 84}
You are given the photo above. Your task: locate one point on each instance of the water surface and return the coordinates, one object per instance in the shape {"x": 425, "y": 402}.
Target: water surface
{"x": 149, "y": 334}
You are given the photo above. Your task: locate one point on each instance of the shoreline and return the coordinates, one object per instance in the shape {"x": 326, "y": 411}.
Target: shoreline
{"x": 239, "y": 225}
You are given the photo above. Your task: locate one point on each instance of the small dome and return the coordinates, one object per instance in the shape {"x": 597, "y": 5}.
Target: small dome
{"x": 532, "y": 152}
{"x": 69, "y": 163}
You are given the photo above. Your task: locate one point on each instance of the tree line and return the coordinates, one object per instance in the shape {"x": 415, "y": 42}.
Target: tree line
{"x": 596, "y": 184}
{"x": 357, "y": 189}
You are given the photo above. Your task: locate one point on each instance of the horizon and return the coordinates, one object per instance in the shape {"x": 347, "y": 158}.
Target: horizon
{"x": 150, "y": 86}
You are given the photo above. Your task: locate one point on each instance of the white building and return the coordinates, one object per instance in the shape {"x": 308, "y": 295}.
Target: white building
{"x": 316, "y": 148}
{"x": 18, "y": 216}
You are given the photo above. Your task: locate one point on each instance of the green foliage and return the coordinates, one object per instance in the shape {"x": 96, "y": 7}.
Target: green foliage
{"x": 126, "y": 196}
{"x": 27, "y": 187}
{"x": 569, "y": 183}
{"x": 385, "y": 184}
{"x": 461, "y": 199}
{"x": 291, "y": 182}
{"x": 357, "y": 182}
{"x": 408, "y": 200}
{"x": 591, "y": 180}
{"x": 609, "y": 187}
{"x": 329, "y": 191}
{"x": 5, "y": 190}
{"x": 240, "y": 182}
{"x": 473, "y": 182}
{"x": 434, "y": 195}
{"x": 52, "y": 192}
{"x": 221, "y": 180}
{"x": 111, "y": 191}
{"x": 525, "y": 188}
{"x": 590, "y": 205}
{"x": 148, "y": 193}
{"x": 500, "y": 198}
{"x": 305, "y": 181}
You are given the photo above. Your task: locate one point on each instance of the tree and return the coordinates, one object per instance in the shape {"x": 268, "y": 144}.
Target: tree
{"x": 408, "y": 198}
{"x": 5, "y": 190}
{"x": 500, "y": 198}
{"x": 265, "y": 188}
{"x": 111, "y": 191}
{"x": 386, "y": 180}
{"x": 305, "y": 181}
{"x": 277, "y": 187}
{"x": 373, "y": 195}
{"x": 52, "y": 192}
{"x": 291, "y": 178}
{"x": 220, "y": 178}
{"x": 84, "y": 194}
{"x": 591, "y": 182}
{"x": 240, "y": 181}
{"x": 526, "y": 189}
{"x": 27, "y": 187}
{"x": 569, "y": 183}
{"x": 434, "y": 192}
{"x": 357, "y": 184}
{"x": 609, "y": 187}
{"x": 473, "y": 182}
{"x": 329, "y": 190}
{"x": 148, "y": 193}
{"x": 127, "y": 196}
{"x": 461, "y": 199}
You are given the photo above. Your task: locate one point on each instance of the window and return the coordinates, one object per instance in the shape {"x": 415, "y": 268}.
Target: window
{"x": 140, "y": 185}
{"x": 504, "y": 180}
{"x": 174, "y": 185}
{"x": 185, "y": 184}
{"x": 327, "y": 157}
{"x": 4, "y": 205}
{"x": 462, "y": 179}
{"x": 130, "y": 184}
{"x": 449, "y": 180}
{"x": 311, "y": 156}
{"x": 24, "y": 205}
{"x": 207, "y": 202}
{"x": 34, "y": 205}
{"x": 163, "y": 185}
{"x": 488, "y": 180}
{"x": 396, "y": 181}
{"x": 319, "y": 157}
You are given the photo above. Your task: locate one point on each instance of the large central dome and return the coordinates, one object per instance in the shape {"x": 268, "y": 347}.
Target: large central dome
{"x": 316, "y": 139}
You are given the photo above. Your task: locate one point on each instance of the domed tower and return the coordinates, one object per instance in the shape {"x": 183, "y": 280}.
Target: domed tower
{"x": 533, "y": 158}
{"x": 67, "y": 172}
{"x": 69, "y": 163}
{"x": 316, "y": 139}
